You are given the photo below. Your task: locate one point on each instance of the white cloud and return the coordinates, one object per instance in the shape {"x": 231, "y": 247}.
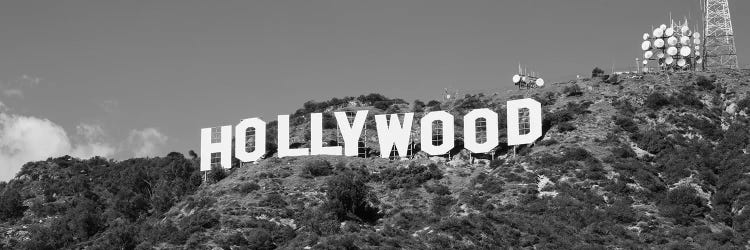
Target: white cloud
{"x": 146, "y": 142}
{"x": 94, "y": 144}
{"x": 24, "y": 139}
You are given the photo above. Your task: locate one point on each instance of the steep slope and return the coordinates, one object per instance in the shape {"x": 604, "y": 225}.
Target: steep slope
{"x": 634, "y": 161}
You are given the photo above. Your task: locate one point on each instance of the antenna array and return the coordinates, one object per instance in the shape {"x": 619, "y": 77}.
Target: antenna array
{"x": 673, "y": 48}
{"x": 527, "y": 81}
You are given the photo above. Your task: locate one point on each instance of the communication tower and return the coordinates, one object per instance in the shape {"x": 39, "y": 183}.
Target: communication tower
{"x": 719, "y": 48}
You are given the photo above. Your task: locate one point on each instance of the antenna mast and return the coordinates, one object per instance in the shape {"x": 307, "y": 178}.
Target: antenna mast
{"x": 719, "y": 47}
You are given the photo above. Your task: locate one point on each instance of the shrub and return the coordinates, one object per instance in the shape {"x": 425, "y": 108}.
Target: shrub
{"x": 623, "y": 152}
{"x": 683, "y": 205}
{"x": 11, "y": 204}
{"x": 316, "y": 168}
{"x": 687, "y": 98}
{"x": 410, "y": 177}
{"x": 488, "y": 183}
{"x": 743, "y": 104}
{"x": 217, "y": 173}
{"x": 273, "y": 200}
{"x": 576, "y": 154}
{"x": 705, "y": 83}
{"x": 597, "y": 72}
{"x": 566, "y": 127}
{"x": 653, "y": 141}
{"x": 437, "y": 189}
{"x": 248, "y": 187}
{"x": 573, "y": 90}
{"x": 349, "y": 198}
{"x": 656, "y": 101}
{"x": 613, "y": 79}
{"x": 626, "y": 124}
{"x": 441, "y": 204}
{"x": 199, "y": 221}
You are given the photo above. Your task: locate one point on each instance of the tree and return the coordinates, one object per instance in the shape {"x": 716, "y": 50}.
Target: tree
{"x": 217, "y": 173}
{"x": 349, "y": 198}
{"x": 597, "y": 72}
{"x": 418, "y": 106}
{"x": 11, "y": 205}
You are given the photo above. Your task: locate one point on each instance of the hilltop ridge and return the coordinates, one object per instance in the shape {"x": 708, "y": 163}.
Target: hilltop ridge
{"x": 628, "y": 161}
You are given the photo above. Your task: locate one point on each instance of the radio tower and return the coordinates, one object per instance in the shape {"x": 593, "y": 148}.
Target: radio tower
{"x": 719, "y": 48}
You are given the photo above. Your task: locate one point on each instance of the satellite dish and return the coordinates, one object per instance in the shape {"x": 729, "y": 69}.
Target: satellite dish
{"x": 681, "y": 62}
{"x": 645, "y": 62}
{"x": 525, "y": 79}
{"x": 660, "y": 55}
{"x": 685, "y": 40}
{"x": 659, "y": 43}
{"x": 645, "y": 36}
{"x": 697, "y": 35}
{"x": 669, "y": 32}
{"x": 648, "y": 54}
{"x": 672, "y": 51}
{"x": 516, "y": 78}
{"x": 697, "y": 41}
{"x": 658, "y": 32}
{"x": 669, "y": 60}
{"x": 685, "y": 51}
{"x": 672, "y": 40}
{"x": 540, "y": 82}
{"x": 685, "y": 30}
{"x": 646, "y": 45}
{"x": 663, "y": 27}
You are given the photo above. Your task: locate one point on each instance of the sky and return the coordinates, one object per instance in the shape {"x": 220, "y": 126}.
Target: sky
{"x": 140, "y": 78}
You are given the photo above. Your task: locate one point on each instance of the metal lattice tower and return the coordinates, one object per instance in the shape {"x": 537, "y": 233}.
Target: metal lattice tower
{"x": 719, "y": 48}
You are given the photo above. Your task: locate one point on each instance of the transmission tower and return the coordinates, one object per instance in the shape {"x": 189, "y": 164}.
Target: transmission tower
{"x": 719, "y": 48}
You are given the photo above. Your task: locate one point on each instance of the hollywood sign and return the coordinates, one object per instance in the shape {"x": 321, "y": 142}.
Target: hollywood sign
{"x": 390, "y": 132}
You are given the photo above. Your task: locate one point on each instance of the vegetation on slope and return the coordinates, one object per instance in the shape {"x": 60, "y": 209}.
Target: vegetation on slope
{"x": 639, "y": 161}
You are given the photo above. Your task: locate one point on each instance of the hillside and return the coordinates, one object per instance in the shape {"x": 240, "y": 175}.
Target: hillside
{"x": 656, "y": 161}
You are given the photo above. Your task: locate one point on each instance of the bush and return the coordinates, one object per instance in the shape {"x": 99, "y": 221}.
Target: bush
{"x": 410, "y": 177}
{"x": 273, "y": 200}
{"x": 248, "y": 187}
{"x": 316, "y": 168}
{"x": 566, "y": 127}
{"x": 437, "y": 189}
{"x": 653, "y": 141}
{"x": 683, "y": 205}
{"x": 597, "y": 72}
{"x": 349, "y": 198}
{"x": 488, "y": 183}
{"x": 573, "y": 90}
{"x": 705, "y": 83}
{"x": 576, "y": 154}
{"x": 626, "y": 124}
{"x": 613, "y": 79}
{"x": 743, "y": 104}
{"x": 657, "y": 100}
{"x": 11, "y": 205}
{"x": 217, "y": 174}
{"x": 441, "y": 204}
